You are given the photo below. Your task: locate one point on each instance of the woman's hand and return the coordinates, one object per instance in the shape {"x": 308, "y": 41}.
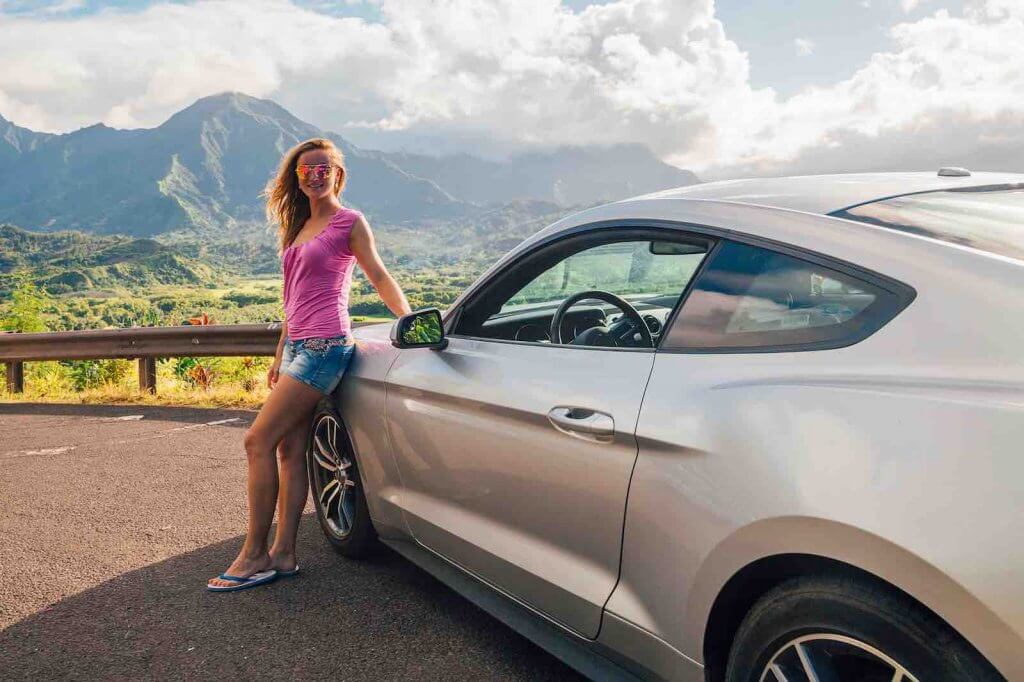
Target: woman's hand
{"x": 273, "y": 373}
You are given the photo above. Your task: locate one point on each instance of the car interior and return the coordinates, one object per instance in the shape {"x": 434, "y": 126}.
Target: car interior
{"x": 616, "y": 292}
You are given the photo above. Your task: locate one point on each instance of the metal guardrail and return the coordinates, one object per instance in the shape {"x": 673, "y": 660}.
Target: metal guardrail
{"x": 143, "y": 343}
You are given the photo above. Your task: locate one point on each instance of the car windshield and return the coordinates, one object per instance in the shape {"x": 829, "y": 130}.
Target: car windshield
{"x": 987, "y": 219}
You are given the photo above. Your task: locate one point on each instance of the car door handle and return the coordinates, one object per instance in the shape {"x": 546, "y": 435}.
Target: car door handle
{"x": 581, "y": 422}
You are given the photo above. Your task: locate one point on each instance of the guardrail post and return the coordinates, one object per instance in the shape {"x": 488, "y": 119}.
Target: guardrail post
{"x": 147, "y": 375}
{"x": 15, "y": 377}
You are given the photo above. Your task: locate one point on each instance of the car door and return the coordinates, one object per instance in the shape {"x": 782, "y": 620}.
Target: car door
{"x": 515, "y": 455}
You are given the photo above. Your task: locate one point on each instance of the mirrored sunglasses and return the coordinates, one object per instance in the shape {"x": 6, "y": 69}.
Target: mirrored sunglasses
{"x": 313, "y": 172}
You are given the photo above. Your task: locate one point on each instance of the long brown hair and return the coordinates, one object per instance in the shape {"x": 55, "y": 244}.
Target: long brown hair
{"x": 287, "y": 206}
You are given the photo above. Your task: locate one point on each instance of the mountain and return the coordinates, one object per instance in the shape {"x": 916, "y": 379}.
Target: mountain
{"x": 570, "y": 176}
{"x": 73, "y": 261}
{"x": 202, "y": 171}
{"x": 14, "y": 140}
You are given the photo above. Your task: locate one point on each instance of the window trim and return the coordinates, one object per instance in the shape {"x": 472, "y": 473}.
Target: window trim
{"x": 633, "y": 229}
{"x": 905, "y": 294}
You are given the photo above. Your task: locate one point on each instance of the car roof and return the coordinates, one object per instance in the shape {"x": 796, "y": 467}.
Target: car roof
{"x": 828, "y": 193}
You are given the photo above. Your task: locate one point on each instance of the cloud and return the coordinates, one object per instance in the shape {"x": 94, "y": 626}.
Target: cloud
{"x": 944, "y": 67}
{"x": 518, "y": 74}
{"x": 804, "y": 47}
{"x": 909, "y": 6}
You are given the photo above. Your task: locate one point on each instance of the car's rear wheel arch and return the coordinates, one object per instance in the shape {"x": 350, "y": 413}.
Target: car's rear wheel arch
{"x": 744, "y": 589}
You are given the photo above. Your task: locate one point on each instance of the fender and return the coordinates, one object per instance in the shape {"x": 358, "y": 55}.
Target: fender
{"x": 994, "y": 638}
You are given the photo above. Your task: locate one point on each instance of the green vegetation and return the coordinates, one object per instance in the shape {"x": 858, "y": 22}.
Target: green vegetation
{"x": 25, "y": 309}
{"x": 205, "y": 382}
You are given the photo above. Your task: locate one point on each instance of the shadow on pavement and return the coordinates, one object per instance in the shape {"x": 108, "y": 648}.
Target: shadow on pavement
{"x": 382, "y": 618}
{"x": 161, "y": 412}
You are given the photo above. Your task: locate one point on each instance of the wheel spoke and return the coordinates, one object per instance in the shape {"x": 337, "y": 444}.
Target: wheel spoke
{"x": 331, "y": 485}
{"x": 777, "y": 671}
{"x": 897, "y": 676}
{"x": 342, "y": 518}
{"x": 336, "y": 489}
{"x": 322, "y": 455}
{"x": 816, "y": 663}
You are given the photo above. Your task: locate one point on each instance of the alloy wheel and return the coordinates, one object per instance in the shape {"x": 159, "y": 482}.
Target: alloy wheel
{"x": 827, "y": 657}
{"x": 334, "y": 479}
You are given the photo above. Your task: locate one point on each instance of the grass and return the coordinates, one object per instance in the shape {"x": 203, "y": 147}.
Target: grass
{"x": 226, "y": 382}
{"x": 219, "y": 396}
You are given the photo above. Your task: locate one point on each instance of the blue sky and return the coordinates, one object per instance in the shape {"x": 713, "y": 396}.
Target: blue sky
{"x": 801, "y": 85}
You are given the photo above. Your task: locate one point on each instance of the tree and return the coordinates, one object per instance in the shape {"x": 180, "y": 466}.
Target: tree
{"x": 24, "y": 312}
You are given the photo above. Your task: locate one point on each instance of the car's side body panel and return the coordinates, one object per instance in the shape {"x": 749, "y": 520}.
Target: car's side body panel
{"x": 719, "y": 454}
{"x": 493, "y": 486}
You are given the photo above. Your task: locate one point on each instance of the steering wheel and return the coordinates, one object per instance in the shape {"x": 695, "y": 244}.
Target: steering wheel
{"x": 625, "y": 329}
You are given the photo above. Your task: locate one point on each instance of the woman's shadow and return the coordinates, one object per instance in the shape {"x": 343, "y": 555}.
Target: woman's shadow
{"x": 377, "y": 619}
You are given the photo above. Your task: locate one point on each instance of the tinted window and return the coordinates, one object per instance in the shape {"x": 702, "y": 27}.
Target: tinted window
{"x": 988, "y": 219}
{"x": 754, "y": 298}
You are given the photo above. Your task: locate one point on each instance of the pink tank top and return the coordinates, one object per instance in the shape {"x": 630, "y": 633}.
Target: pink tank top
{"x": 317, "y": 279}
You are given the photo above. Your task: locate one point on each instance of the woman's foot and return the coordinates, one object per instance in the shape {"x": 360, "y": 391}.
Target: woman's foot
{"x": 242, "y": 567}
{"x": 283, "y": 562}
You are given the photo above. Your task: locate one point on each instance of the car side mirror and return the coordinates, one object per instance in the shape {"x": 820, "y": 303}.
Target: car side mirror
{"x": 421, "y": 329}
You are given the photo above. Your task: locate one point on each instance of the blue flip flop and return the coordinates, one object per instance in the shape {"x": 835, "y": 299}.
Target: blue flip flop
{"x": 255, "y": 580}
{"x": 289, "y": 574}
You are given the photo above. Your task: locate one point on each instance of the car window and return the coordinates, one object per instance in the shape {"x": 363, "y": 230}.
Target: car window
{"x": 649, "y": 274}
{"x": 627, "y": 269}
{"x": 983, "y": 218}
{"x": 751, "y": 298}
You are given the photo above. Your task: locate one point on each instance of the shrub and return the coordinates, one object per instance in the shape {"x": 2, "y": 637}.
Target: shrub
{"x": 24, "y": 313}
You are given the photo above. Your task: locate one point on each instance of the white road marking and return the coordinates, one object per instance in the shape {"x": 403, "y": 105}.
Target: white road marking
{"x": 50, "y": 451}
{"x": 222, "y": 421}
{"x": 176, "y": 429}
{"x": 45, "y": 451}
{"x": 146, "y": 436}
{"x": 125, "y": 418}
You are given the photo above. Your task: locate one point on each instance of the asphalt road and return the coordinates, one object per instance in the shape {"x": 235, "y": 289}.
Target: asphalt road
{"x": 112, "y": 519}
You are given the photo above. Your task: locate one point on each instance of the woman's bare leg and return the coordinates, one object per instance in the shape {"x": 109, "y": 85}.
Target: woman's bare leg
{"x": 291, "y": 500}
{"x": 290, "y": 403}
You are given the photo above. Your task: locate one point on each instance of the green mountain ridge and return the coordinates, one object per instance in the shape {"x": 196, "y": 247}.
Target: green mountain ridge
{"x": 63, "y": 262}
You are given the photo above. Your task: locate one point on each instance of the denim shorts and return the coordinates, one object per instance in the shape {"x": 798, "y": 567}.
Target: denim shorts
{"x": 319, "y": 363}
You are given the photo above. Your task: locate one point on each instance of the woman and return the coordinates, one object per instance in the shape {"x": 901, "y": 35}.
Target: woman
{"x": 320, "y": 241}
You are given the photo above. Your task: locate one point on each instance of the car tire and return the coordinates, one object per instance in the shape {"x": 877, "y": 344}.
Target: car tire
{"x": 338, "y": 497}
{"x": 852, "y": 629}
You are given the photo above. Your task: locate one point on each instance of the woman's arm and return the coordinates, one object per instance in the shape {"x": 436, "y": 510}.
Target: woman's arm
{"x": 365, "y": 249}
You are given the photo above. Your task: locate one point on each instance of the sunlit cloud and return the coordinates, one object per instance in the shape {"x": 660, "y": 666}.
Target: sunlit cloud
{"x": 518, "y": 74}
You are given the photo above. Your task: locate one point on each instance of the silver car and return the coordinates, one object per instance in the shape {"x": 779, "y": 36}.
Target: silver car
{"x": 751, "y": 430}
